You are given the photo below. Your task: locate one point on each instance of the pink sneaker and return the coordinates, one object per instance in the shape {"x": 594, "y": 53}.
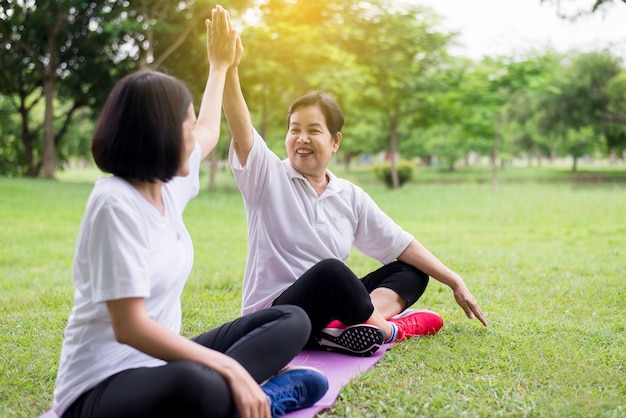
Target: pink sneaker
{"x": 413, "y": 323}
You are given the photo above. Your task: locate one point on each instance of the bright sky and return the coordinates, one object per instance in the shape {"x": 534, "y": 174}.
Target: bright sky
{"x": 511, "y": 27}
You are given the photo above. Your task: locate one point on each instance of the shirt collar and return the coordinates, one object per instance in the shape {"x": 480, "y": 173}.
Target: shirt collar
{"x": 334, "y": 185}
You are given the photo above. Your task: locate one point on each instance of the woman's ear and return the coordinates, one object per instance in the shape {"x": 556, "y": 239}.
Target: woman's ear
{"x": 337, "y": 142}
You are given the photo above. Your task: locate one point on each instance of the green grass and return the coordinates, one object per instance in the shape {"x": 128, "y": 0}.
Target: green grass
{"x": 544, "y": 257}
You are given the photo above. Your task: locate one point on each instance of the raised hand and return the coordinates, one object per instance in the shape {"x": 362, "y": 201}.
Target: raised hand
{"x": 239, "y": 52}
{"x": 221, "y": 39}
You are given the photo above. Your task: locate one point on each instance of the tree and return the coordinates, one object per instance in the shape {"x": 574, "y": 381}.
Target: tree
{"x": 615, "y": 131}
{"x": 580, "y": 100}
{"x": 577, "y": 143}
{"x": 399, "y": 50}
{"x": 447, "y": 142}
{"x": 290, "y": 50}
{"x": 490, "y": 88}
{"x": 596, "y": 6}
{"x": 72, "y": 52}
{"x": 68, "y": 49}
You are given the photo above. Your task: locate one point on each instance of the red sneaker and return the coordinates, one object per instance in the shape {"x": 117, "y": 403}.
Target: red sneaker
{"x": 413, "y": 323}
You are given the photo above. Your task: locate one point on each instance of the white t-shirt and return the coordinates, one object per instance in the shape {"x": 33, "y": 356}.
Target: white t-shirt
{"x": 125, "y": 248}
{"x": 290, "y": 228}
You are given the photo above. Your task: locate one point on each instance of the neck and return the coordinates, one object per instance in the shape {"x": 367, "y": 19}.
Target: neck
{"x": 319, "y": 184}
{"x": 150, "y": 191}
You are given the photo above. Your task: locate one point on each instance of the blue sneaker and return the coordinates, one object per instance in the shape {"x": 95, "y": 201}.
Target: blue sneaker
{"x": 294, "y": 388}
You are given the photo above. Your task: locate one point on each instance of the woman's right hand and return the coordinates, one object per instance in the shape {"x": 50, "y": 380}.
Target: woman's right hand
{"x": 249, "y": 398}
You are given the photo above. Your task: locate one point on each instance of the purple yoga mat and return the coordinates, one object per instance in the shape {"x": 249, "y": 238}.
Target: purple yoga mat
{"x": 338, "y": 368}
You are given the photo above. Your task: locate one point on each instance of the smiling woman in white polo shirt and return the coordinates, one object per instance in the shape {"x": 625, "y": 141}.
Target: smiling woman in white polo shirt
{"x": 303, "y": 222}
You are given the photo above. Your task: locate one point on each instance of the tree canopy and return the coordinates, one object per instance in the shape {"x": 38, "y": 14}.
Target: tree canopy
{"x": 384, "y": 62}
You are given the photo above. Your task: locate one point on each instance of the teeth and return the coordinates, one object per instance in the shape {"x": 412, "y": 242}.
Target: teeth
{"x": 304, "y": 151}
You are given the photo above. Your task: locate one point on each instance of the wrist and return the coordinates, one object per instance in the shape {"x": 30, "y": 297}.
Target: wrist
{"x": 455, "y": 282}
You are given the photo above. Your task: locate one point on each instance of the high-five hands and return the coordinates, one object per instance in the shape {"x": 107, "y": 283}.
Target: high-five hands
{"x": 221, "y": 38}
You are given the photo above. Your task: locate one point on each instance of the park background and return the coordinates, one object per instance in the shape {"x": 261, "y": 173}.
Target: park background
{"x": 510, "y": 167}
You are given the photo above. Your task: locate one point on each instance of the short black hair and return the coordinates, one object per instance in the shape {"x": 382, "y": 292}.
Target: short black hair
{"x": 139, "y": 132}
{"x": 329, "y": 107}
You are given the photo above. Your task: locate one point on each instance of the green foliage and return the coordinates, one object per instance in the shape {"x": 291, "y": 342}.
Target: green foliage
{"x": 384, "y": 62}
{"x": 11, "y": 149}
{"x": 580, "y": 142}
{"x": 68, "y": 51}
{"x": 405, "y": 172}
{"x": 447, "y": 143}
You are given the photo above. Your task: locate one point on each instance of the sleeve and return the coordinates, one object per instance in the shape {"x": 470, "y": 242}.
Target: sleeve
{"x": 377, "y": 235}
{"x": 252, "y": 178}
{"x": 118, "y": 254}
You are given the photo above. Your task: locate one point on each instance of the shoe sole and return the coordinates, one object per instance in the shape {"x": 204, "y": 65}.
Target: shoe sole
{"x": 410, "y": 311}
{"x": 288, "y": 368}
{"x": 357, "y": 340}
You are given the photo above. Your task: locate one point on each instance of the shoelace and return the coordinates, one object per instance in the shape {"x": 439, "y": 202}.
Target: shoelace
{"x": 286, "y": 398}
{"x": 410, "y": 321}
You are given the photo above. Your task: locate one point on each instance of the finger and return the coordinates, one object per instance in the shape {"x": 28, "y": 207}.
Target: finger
{"x": 227, "y": 22}
{"x": 222, "y": 21}
{"x": 480, "y": 316}
{"x": 474, "y": 311}
{"x": 215, "y": 27}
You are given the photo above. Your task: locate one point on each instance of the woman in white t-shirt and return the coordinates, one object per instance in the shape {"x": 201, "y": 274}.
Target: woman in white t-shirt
{"x": 123, "y": 355}
{"x": 303, "y": 222}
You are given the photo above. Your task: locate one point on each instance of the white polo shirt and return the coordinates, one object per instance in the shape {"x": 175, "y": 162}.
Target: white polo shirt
{"x": 290, "y": 228}
{"x": 125, "y": 249}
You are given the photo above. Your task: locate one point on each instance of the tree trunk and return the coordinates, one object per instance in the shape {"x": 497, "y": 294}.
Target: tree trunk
{"x": 49, "y": 82}
{"x": 347, "y": 159}
{"x": 27, "y": 140}
{"x": 49, "y": 159}
{"x": 212, "y": 169}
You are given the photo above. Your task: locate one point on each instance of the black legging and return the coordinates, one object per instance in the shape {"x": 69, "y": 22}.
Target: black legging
{"x": 330, "y": 290}
{"x": 262, "y": 342}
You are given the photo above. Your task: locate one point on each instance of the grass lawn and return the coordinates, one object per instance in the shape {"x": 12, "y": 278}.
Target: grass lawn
{"x": 545, "y": 259}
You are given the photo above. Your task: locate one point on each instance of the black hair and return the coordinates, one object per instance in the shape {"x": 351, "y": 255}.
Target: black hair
{"x": 139, "y": 132}
{"x": 329, "y": 107}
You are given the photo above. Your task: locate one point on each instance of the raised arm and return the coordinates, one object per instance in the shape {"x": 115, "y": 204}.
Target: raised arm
{"x": 221, "y": 47}
{"x": 420, "y": 257}
{"x": 236, "y": 110}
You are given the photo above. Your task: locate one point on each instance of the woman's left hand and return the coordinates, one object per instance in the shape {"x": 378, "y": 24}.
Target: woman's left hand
{"x": 466, "y": 300}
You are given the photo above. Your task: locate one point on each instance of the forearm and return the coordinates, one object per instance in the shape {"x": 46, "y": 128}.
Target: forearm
{"x": 421, "y": 258}
{"x": 207, "y": 129}
{"x": 133, "y": 327}
{"x": 237, "y": 115}
{"x": 418, "y": 256}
